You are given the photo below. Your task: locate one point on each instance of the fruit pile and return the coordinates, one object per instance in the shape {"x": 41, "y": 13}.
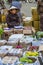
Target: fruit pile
{"x": 31, "y": 53}
{"x": 27, "y": 60}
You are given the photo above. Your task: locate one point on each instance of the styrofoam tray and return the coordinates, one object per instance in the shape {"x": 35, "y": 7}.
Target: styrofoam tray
{"x": 26, "y": 40}
{"x": 6, "y": 47}
{"x": 9, "y": 60}
{"x": 16, "y": 36}
{"x": 3, "y": 41}
{"x": 16, "y": 51}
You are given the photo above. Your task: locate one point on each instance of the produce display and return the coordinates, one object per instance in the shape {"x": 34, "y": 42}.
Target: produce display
{"x": 16, "y": 50}
{"x": 21, "y": 45}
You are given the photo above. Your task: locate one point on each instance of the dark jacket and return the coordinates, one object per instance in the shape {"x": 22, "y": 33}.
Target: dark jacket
{"x": 12, "y": 20}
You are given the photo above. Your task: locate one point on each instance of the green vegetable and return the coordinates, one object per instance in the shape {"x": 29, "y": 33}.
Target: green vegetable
{"x": 23, "y": 59}
{"x": 30, "y": 61}
{"x": 39, "y": 34}
{"x": 1, "y": 32}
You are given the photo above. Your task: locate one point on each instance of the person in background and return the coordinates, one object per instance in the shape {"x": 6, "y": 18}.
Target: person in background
{"x": 12, "y": 18}
{"x": 18, "y": 5}
{"x": 40, "y": 11}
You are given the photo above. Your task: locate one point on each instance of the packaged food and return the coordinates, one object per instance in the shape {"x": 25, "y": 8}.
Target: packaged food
{"x": 26, "y": 41}
{"x": 36, "y": 43}
{"x": 13, "y": 43}
{"x": 6, "y": 47}
{"x": 4, "y": 50}
{"x": 16, "y": 52}
{"x": 16, "y": 36}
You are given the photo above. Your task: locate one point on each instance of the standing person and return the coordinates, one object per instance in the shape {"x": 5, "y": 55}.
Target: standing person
{"x": 18, "y": 5}
{"x": 40, "y": 11}
{"x": 12, "y": 17}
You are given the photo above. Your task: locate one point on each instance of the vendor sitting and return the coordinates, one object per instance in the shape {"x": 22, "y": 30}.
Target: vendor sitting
{"x": 12, "y": 17}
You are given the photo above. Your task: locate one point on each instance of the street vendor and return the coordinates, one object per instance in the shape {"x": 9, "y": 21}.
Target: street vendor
{"x": 12, "y": 17}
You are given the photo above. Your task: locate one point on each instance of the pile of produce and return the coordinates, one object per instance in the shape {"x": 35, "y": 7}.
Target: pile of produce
{"x": 31, "y": 53}
{"x": 27, "y": 60}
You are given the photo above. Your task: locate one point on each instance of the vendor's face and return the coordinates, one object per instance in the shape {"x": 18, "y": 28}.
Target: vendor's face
{"x": 13, "y": 11}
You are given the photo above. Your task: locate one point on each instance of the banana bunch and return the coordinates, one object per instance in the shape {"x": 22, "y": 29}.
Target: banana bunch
{"x": 30, "y": 53}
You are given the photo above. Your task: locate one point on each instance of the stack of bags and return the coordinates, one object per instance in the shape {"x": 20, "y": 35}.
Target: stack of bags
{"x": 35, "y": 18}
